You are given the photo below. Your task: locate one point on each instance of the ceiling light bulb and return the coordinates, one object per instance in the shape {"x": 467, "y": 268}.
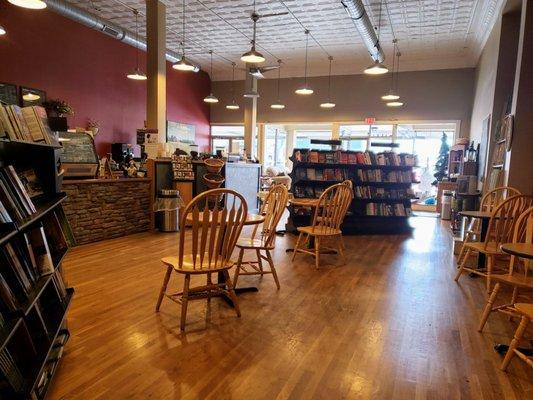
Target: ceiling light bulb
{"x": 252, "y": 57}
{"x": 211, "y": 99}
{"x": 327, "y": 104}
{"x": 390, "y": 96}
{"x": 233, "y": 105}
{"x": 251, "y": 94}
{"x": 2, "y": 30}
{"x": 278, "y": 106}
{"x": 31, "y": 96}
{"x": 184, "y": 65}
{"x": 395, "y": 104}
{"x": 376, "y": 69}
{"x": 33, "y": 4}
{"x": 305, "y": 90}
{"x": 137, "y": 75}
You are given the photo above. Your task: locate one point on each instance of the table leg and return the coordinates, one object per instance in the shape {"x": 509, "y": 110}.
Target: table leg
{"x": 221, "y": 280}
{"x": 483, "y": 234}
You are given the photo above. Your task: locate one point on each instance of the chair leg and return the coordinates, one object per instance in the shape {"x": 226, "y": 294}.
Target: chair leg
{"x": 238, "y": 268}
{"x": 185, "y": 300}
{"x": 209, "y": 283}
{"x": 317, "y": 252}
{"x": 297, "y": 245}
{"x": 462, "y": 266}
{"x": 231, "y": 293}
{"x": 259, "y": 261}
{"x": 490, "y": 263}
{"x": 488, "y": 307}
{"x": 514, "y": 344}
{"x": 163, "y": 288}
{"x": 340, "y": 248}
{"x": 272, "y": 268}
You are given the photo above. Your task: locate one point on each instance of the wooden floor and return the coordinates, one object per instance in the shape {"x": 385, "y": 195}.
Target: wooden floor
{"x": 391, "y": 324}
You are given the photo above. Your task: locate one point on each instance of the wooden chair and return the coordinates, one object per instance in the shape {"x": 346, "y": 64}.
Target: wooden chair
{"x": 489, "y": 202}
{"x": 216, "y": 218}
{"x": 500, "y": 230}
{"x": 516, "y": 278}
{"x": 272, "y": 209}
{"x": 526, "y": 312}
{"x": 328, "y": 216}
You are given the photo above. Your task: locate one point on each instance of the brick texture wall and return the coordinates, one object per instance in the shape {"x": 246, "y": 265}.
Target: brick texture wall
{"x": 98, "y": 211}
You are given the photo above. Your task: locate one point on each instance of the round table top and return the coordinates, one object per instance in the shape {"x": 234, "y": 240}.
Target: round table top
{"x": 524, "y": 250}
{"x": 251, "y": 219}
{"x": 476, "y": 214}
{"x": 303, "y": 202}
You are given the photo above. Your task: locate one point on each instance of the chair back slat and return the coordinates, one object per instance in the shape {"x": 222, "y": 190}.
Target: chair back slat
{"x": 272, "y": 210}
{"x": 216, "y": 218}
{"x": 332, "y": 207}
{"x": 523, "y": 233}
{"x": 504, "y": 218}
{"x": 493, "y": 198}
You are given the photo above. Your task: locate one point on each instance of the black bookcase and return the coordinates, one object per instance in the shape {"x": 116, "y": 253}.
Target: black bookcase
{"x": 33, "y": 332}
{"x": 382, "y": 192}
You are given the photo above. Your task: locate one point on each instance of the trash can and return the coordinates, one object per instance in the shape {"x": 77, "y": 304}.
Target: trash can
{"x": 166, "y": 209}
{"x": 446, "y": 208}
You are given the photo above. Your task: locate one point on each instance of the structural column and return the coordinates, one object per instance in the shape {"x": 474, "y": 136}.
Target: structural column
{"x": 250, "y": 114}
{"x": 156, "y": 102}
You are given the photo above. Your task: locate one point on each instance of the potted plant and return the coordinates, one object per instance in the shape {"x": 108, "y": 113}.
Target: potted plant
{"x": 93, "y": 127}
{"x": 57, "y": 111}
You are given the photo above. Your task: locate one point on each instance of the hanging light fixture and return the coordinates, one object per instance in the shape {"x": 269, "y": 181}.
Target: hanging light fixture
{"x": 233, "y": 105}
{"x": 137, "y": 74}
{"x": 396, "y": 103}
{"x": 278, "y": 105}
{"x": 253, "y": 56}
{"x": 328, "y": 103}
{"x": 183, "y": 64}
{"x": 211, "y": 98}
{"x": 377, "y": 68}
{"x": 2, "y": 30}
{"x": 391, "y": 95}
{"x": 305, "y": 89}
{"x": 33, "y": 4}
{"x": 30, "y": 96}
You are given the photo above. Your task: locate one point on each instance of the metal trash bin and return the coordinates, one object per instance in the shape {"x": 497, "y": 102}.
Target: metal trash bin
{"x": 166, "y": 209}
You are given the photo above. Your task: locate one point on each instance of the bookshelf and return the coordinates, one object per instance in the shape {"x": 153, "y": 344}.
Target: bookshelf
{"x": 34, "y": 239}
{"x": 381, "y": 181}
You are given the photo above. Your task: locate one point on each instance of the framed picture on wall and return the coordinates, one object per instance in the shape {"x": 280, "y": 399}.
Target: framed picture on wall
{"x": 31, "y": 97}
{"x": 8, "y": 93}
{"x": 180, "y": 133}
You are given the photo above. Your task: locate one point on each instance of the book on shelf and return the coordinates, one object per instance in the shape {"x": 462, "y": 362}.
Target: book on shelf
{"x": 17, "y": 192}
{"x": 387, "y": 210}
{"x": 386, "y": 158}
{"x": 378, "y": 175}
{"x": 372, "y": 192}
{"x": 41, "y": 250}
{"x": 28, "y": 124}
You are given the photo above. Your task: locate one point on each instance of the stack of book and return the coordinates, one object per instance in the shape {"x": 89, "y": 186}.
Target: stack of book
{"x": 371, "y": 192}
{"x": 28, "y": 124}
{"x": 387, "y": 210}
{"x": 378, "y": 175}
{"x": 17, "y": 192}
{"x": 321, "y": 174}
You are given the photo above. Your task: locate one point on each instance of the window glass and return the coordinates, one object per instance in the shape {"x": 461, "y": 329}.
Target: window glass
{"x": 303, "y": 139}
{"x": 350, "y": 131}
{"x": 275, "y": 146}
{"x": 227, "y": 131}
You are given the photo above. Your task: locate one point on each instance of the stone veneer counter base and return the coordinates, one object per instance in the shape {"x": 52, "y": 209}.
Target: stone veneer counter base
{"x": 100, "y": 209}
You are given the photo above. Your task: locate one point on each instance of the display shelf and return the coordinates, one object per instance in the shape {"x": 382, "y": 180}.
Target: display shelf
{"x": 315, "y": 182}
{"x": 384, "y": 184}
{"x": 43, "y": 208}
{"x": 385, "y": 200}
{"x": 7, "y": 331}
{"x": 356, "y": 166}
{"x": 7, "y": 232}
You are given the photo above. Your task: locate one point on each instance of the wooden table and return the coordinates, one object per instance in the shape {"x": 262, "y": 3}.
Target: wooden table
{"x": 484, "y": 216}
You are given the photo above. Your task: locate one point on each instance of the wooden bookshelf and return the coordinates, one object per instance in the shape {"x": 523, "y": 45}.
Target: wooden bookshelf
{"x": 382, "y": 187}
{"x": 33, "y": 328}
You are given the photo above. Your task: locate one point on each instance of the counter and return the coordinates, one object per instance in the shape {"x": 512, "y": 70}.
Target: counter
{"x": 99, "y": 209}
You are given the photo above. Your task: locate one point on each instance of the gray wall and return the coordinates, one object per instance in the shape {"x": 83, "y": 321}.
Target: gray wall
{"x": 428, "y": 95}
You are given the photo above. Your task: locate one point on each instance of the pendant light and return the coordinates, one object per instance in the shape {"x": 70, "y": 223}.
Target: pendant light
{"x": 233, "y": 105}
{"x": 278, "y": 105}
{"x": 183, "y": 64}
{"x": 391, "y": 95}
{"x": 329, "y": 103}
{"x": 33, "y": 4}
{"x": 377, "y": 68}
{"x": 305, "y": 89}
{"x": 211, "y": 98}
{"x": 30, "y": 96}
{"x": 253, "y": 56}
{"x": 396, "y": 103}
{"x": 137, "y": 74}
{"x": 2, "y": 30}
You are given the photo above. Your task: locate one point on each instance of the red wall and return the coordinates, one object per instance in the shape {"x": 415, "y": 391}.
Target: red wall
{"x": 69, "y": 61}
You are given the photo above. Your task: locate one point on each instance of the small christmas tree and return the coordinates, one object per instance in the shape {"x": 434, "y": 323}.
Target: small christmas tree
{"x": 441, "y": 167}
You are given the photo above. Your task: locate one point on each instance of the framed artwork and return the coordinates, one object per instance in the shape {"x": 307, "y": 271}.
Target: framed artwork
{"x": 8, "y": 93}
{"x": 180, "y": 133}
{"x": 31, "y": 97}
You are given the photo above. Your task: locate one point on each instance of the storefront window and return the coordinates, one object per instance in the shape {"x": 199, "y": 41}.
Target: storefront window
{"x": 303, "y": 139}
{"x": 275, "y": 146}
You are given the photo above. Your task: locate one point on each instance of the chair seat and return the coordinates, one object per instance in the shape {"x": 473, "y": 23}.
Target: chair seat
{"x": 525, "y": 308}
{"x": 249, "y": 243}
{"x": 514, "y": 280}
{"x": 492, "y": 248}
{"x": 188, "y": 265}
{"x": 319, "y": 231}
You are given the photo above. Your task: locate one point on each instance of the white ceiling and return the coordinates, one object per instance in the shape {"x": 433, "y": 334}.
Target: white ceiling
{"x": 432, "y": 34}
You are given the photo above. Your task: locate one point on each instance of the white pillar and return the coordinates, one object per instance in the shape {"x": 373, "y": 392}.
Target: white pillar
{"x": 250, "y": 114}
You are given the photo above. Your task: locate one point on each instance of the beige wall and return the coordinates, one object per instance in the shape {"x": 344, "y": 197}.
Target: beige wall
{"x": 428, "y": 95}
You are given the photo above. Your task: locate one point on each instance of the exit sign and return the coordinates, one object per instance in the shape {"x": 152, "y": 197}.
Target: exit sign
{"x": 370, "y": 120}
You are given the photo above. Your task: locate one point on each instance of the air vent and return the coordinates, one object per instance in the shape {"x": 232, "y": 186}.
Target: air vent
{"x": 111, "y": 32}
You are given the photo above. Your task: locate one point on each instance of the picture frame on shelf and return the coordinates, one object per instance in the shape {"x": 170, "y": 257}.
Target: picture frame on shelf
{"x": 8, "y": 93}
{"x": 25, "y": 91}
